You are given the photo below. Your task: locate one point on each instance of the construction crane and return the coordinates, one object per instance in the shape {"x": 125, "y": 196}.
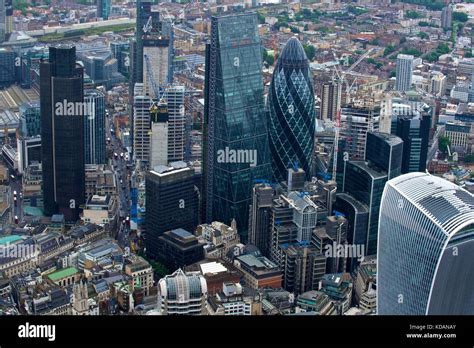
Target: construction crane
{"x": 151, "y": 79}
{"x": 341, "y": 75}
{"x": 148, "y": 25}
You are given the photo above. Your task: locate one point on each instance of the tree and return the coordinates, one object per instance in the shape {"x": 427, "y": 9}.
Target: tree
{"x": 389, "y": 49}
{"x": 270, "y": 59}
{"x": 264, "y": 54}
{"x": 423, "y": 35}
{"x": 310, "y": 51}
{"x": 413, "y": 14}
{"x": 469, "y": 159}
{"x": 411, "y": 51}
{"x": 261, "y": 18}
{"x": 460, "y": 17}
{"x": 294, "y": 30}
{"x": 443, "y": 143}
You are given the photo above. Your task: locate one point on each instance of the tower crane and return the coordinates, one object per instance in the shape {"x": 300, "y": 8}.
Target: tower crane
{"x": 341, "y": 75}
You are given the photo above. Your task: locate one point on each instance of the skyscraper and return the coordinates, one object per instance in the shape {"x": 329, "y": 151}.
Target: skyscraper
{"x": 260, "y": 217}
{"x": 291, "y": 114}
{"x": 141, "y": 126}
{"x": 425, "y": 248}
{"x": 385, "y": 151}
{"x": 330, "y": 100}
{"x": 3, "y": 29}
{"x": 365, "y": 180}
{"x": 355, "y": 123}
{"x": 235, "y": 130}
{"x": 174, "y": 97}
{"x": 155, "y": 63}
{"x": 365, "y": 183}
{"x": 404, "y": 72}
{"x": 357, "y": 215}
{"x": 62, "y": 132}
{"x": 94, "y": 127}
{"x": 447, "y": 17}
{"x": 29, "y": 135}
{"x": 143, "y": 14}
{"x": 171, "y": 202}
{"x": 415, "y": 133}
{"x": 103, "y": 9}
{"x": 159, "y": 134}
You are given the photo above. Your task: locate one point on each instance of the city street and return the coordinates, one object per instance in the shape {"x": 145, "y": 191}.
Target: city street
{"x": 122, "y": 178}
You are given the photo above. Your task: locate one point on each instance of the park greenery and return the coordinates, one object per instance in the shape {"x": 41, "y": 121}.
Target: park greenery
{"x": 443, "y": 143}
{"x": 440, "y": 50}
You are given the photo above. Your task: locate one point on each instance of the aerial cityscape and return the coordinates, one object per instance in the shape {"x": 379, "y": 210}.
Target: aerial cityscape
{"x": 237, "y": 157}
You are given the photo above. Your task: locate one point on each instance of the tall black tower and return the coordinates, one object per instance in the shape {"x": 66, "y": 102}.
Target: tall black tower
{"x": 62, "y": 132}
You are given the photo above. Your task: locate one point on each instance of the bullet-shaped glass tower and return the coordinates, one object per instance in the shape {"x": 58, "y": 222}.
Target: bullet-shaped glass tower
{"x": 290, "y": 107}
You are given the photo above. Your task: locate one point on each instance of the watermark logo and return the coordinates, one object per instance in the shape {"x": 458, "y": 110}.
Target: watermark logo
{"x": 17, "y": 251}
{"x": 237, "y": 156}
{"x": 335, "y": 250}
{"x": 68, "y": 108}
{"x": 37, "y": 331}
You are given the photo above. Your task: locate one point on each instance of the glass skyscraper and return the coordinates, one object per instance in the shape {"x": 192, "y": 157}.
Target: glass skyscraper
{"x": 235, "y": 129}
{"x": 171, "y": 202}
{"x": 365, "y": 180}
{"x": 415, "y": 133}
{"x": 94, "y": 127}
{"x": 290, "y": 106}
{"x": 425, "y": 248}
{"x": 62, "y": 133}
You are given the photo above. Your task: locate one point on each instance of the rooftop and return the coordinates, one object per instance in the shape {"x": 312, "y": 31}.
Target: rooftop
{"x": 63, "y": 273}
{"x": 9, "y": 239}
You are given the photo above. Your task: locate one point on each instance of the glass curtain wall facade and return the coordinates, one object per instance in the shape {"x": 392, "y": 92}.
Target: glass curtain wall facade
{"x": 290, "y": 107}
{"x": 425, "y": 248}
{"x": 62, "y": 135}
{"x": 236, "y": 139}
{"x": 94, "y": 128}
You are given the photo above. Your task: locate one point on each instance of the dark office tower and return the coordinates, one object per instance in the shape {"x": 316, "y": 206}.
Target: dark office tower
{"x": 62, "y": 132}
{"x": 290, "y": 106}
{"x": 94, "y": 127}
{"x": 330, "y": 100}
{"x": 385, "y": 151}
{"x": 415, "y": 133}
{"x": 8, "y": 16}
{"x": 132, "y": 69}
{"x": 167, "y": 31}
{"x": 336, "y": 229}
{"x": 365, "y": 183}
{"x": 143, "y": 14}
{"x": 171, "y": 203}
{"x": 357, "y": 215}
{"x": 260, "y": 217}
{"x": 2, "y": 21}
{"x": 236, "y": 138}
{"x": 103, "y": 8}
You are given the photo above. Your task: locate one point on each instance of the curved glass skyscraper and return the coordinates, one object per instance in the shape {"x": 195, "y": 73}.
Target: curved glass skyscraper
{"x": 425, "y": 248}
{"x": 290, "y": 106}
